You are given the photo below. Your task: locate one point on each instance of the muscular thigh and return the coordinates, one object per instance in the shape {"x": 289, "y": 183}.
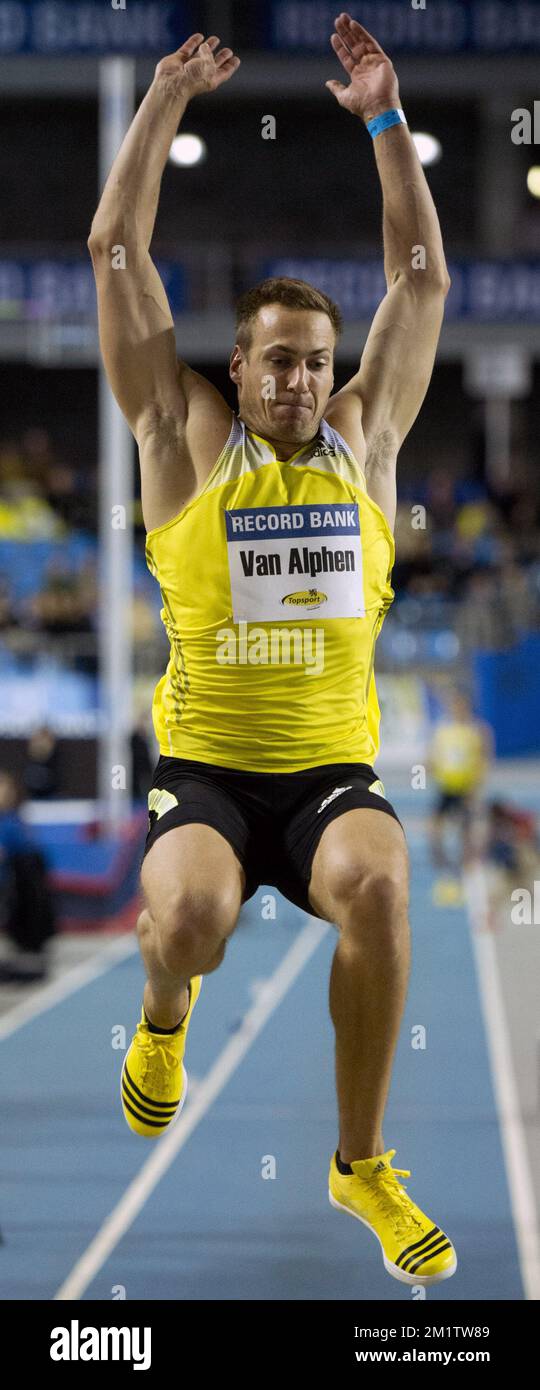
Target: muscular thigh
{"x": 355, "y": 845}
{"x": 193, "y": 863}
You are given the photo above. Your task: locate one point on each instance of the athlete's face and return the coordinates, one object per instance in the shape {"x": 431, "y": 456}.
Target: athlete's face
{"x": 285, "y": 381}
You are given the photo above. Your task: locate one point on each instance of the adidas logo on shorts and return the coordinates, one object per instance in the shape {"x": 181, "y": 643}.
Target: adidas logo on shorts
{"x": 336, "y": 792}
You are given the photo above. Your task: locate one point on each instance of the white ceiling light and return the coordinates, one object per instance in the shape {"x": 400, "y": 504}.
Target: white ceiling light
{"x": 187, "y": 150}
{"x": 533, "y": 180}
{"x": 428, "y": 148}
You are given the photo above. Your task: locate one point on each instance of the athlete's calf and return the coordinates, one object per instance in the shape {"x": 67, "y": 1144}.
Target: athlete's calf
{"x": 360, "y": 881}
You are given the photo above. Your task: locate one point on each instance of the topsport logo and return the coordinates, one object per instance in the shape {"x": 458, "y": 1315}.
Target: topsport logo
{"x": 305, "y": 598}
{"x": 76, "y": 1343}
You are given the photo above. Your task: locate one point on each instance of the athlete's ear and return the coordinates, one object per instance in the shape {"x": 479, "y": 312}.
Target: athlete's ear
{"x": 235, "y": 365}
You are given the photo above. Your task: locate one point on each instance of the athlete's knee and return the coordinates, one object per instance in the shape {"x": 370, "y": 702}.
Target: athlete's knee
{"x": 145, "y": 927}
{"x": 195, "y": 924}
{"x": 379, "y": 894}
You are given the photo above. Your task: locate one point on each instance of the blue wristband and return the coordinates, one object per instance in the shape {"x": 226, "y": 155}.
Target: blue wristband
{"x": 379, "y": 123}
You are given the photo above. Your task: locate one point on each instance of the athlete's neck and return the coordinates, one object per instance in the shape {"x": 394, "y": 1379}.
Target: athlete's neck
{"x": 282, "y": 449}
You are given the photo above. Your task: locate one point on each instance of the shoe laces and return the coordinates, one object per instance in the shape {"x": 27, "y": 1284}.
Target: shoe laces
{"x": 159, "y": 1062}
{"x": 393, "y": 1200}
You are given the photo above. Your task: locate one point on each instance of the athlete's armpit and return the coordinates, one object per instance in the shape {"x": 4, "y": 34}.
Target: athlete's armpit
{"x": 381, "y": 454}
{"x": 381, "y": 484}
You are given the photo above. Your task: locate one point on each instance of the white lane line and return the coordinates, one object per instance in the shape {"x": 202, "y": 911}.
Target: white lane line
{"x": 520, "y": 1185}
{"x": 68, "y": 983}
{"x": 138, "y": 1192}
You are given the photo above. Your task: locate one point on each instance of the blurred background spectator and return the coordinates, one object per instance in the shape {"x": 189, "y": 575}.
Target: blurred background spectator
{"x": 27, "y": 913}
{"x": 41, "y": 772}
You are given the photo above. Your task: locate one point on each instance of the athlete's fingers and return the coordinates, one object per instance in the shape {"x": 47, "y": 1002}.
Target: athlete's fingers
{"x": 193, "y": 46}
{"x": 342, "y": 53}
{"x": 356, "y": 50}
{"x": 189, "y": 47}
{"x": 357, "y": 33}
{"x": 226, "y": 69}
{"x": 335, "y": 87}
{"x": 223, "y": 56}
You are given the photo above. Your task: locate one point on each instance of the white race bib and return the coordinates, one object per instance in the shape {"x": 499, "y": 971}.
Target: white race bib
{"x": 293, "y": 562}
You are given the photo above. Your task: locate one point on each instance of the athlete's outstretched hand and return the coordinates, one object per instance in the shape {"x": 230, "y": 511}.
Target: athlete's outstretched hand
{"x": 200, "y": 65}
{"x": 373, "y": 86}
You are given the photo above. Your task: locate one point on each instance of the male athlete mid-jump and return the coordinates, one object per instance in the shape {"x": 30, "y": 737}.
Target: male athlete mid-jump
{"x": 270, "y": 532}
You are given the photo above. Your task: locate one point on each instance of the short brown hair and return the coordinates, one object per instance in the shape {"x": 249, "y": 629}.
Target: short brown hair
{"x": 294, "y": 294}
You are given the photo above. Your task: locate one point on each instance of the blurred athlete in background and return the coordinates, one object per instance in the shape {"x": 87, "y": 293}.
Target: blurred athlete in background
{"x": 459, "y": 760}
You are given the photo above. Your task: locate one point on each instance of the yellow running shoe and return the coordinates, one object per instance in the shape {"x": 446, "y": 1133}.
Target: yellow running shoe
{"x": 154, "y": 1080}
{"x": 414, "y": 1250}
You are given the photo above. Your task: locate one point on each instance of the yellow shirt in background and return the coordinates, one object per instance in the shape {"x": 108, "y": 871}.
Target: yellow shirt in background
{"x": 458, "y": 757}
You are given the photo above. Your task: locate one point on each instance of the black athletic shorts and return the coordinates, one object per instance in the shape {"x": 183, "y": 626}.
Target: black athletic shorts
{"x": 273, "y": 820}
{"x": 454, "y": 803}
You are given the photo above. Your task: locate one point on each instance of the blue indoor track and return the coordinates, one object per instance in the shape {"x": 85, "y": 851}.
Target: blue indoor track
{"x": 213, "y": 1227}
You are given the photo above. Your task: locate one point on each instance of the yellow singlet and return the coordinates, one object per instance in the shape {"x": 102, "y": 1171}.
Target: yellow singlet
{"x": 275, "y": 583}
{"x": 458, "y": 757}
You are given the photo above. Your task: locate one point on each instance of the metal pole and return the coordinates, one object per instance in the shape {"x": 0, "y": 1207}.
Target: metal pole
{"x": 116, "y": 111}
{"x": 498, "y": 422}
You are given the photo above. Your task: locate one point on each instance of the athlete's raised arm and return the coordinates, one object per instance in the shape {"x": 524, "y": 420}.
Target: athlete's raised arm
{"x": 160, "y": 396}
{"x": 385, "y": 395}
